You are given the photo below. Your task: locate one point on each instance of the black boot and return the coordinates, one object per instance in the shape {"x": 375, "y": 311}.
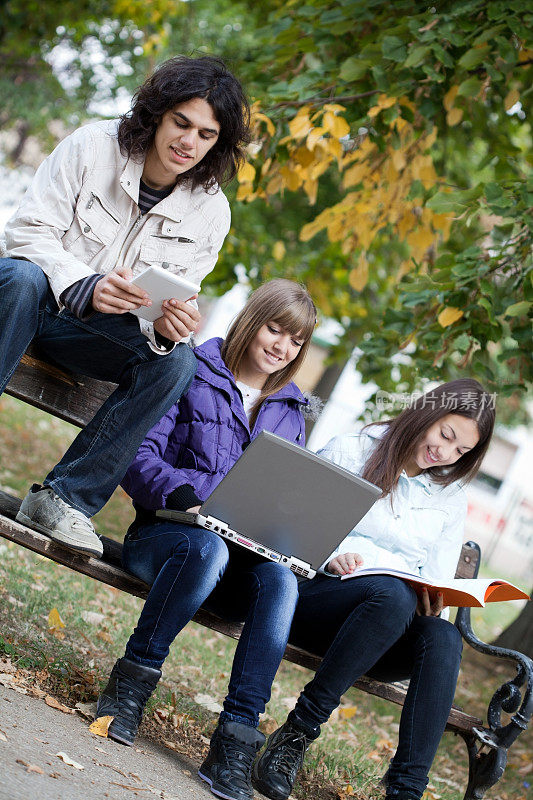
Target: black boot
{"x": 124, "y": 698}
{"x": 275, "y": 772}
{"x": 228, "y": 766}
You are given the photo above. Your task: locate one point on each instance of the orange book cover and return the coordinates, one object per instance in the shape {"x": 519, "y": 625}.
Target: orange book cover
{"x": 461, "y": 592}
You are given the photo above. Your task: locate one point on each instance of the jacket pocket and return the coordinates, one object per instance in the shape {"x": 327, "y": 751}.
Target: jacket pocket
{"x": 173, "y": 254}
{"x": 95, "y": 226}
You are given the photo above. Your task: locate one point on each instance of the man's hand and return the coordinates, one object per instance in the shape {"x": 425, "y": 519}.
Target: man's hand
{"x": 425, "y": 608}
{"x": 345, "y": 563}
{"x": 114, "y": 294}
{"x": 193, "y": 509}
{"x": 179, "y": 319}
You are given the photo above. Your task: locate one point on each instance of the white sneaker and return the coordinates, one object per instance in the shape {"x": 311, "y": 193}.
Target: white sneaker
{"x": 44, "y": 511}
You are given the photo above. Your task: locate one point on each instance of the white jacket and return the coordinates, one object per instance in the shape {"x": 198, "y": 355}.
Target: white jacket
{"x": 422, "y": 532}
{"x": 80, "y": 216}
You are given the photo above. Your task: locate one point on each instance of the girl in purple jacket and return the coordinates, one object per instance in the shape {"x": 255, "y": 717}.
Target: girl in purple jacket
{"x": 242, "y": 386}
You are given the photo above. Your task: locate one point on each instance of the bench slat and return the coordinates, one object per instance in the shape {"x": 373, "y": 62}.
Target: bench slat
{"x": 72, "y": 398}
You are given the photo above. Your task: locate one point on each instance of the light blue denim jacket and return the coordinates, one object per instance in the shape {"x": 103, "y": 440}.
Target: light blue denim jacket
{"x": 421, "y": 533}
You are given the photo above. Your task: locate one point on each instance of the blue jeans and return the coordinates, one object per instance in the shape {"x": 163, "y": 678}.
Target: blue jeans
{"x": 368, "y": 626}
{"x": 189, "y": 567}
{"x": 109, "y": 347}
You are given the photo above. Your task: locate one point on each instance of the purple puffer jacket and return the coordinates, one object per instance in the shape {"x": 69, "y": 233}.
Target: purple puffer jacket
{"x": 201, "y": 437}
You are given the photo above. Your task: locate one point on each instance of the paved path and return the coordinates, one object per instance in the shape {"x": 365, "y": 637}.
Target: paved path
{"x": 32, "y": 733}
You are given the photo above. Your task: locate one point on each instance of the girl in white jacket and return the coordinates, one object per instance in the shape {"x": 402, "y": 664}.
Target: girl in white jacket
{"x": 374, "y": 625}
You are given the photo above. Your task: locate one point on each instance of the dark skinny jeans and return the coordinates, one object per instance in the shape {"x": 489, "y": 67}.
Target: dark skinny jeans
{"x": 368, "y": 626}
{"x": 189, "y": 567}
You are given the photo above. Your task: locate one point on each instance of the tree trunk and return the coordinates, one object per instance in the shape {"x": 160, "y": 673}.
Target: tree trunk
{"x": 519, "y": 634}
{"x": 324, "y": 388}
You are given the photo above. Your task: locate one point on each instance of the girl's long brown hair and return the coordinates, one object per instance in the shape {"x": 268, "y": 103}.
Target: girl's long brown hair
{"x": 285, "y": 302}
{"x": 397, "y": 446}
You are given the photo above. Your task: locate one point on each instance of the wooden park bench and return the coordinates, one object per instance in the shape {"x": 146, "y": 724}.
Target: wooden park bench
{"x": 75, "y": 399}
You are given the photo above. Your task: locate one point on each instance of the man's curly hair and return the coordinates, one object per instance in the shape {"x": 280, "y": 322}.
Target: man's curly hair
{"x": 176, "y": 81}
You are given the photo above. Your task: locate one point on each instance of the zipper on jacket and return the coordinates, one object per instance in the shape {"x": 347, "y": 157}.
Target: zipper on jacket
{"x": 90, "y": 204}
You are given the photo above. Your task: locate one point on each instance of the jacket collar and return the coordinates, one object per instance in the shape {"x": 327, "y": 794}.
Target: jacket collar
{"x": 213, "y": 369}
{"x": 172, "y": 207}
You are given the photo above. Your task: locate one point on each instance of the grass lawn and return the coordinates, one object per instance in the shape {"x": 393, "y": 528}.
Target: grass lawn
{"x": 72, "y": 662}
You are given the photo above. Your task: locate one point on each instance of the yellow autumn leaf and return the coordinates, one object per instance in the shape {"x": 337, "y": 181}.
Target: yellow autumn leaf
{"x": 274, "y": 185}
{"x": 245, "y": 191}
{"x": 299, "y": 126}
{"x": 100, "y": 726}
{"x": 449, "y": 315}
{"x": 386, "y": 102}
{"x": 337, "y": 126}
{"x": 454, "y": 116}
{"x": 258, "y": 115}
{"x": 358, "y": 277}
{"x": 314, "y": 136}
{"x": 449, "y": 98}
{"x": 398, "y": 159}
{"x": 55, "y": 622}
{"x": 246, "y": 174}
{"x": 334, "y": 108}
{"x": 311, "y": 190}
{"x": 279, "y": 250}
{"x": 420, "y": 239}
{"x": 374, "y": 111}
{"x": 310, "y": 230}
{"x": 347, "y": 712}
{"x": 303, "y": 156}
{"x": 512, "y": 98}
{"x": 355, "y": 174}
{"x": 291, "y": 177}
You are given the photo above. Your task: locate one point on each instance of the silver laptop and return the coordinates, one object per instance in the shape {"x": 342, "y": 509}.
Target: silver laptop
{"x": 284, "y": 503}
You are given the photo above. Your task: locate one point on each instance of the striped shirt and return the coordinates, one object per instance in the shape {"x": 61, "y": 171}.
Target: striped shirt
{"x": 77, "y": 298}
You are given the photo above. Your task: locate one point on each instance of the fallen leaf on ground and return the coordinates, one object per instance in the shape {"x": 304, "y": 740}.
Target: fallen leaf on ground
{"x": 206, "y": 701}
{"x": 55, "y": 623}
{"x": 86, "y": 709}
{"x": 30, "y": 767}
{"x": 53, "y": 703}
{"x": 69, "y": 761}
{"x": 92, "y": 617}
{"x": 34, "y": 691}
{"x": 3, "y": 737}
{"x": 10, "y": 682}
{"x": 100, "y": 726}
{"x": 346, "y": 712}
{"x": 125, "y": 786}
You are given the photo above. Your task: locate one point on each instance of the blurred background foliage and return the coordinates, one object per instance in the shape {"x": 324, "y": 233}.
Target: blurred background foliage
{"x": 390, "y": 168}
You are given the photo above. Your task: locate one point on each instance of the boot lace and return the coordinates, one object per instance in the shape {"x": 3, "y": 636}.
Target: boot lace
{"x": 132, "y": 695}
{"x": 238, "y": 758}
{"x": 289, "y": 753}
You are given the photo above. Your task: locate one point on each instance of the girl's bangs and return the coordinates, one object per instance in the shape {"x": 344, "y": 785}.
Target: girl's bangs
{"x": 298, "y": 318}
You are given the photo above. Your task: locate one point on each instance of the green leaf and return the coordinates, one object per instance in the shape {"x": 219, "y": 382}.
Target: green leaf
{"x": 393, "y": 48}
{"x": 353, "y": 68}
{"x": 472, "y": 58}
{"x": 518, "y": 309}
{"x": 469, "y": 88}
{"x": 416, "y": 55}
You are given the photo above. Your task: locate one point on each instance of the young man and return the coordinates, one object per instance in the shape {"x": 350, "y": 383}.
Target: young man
{"x": 113, "y": 198}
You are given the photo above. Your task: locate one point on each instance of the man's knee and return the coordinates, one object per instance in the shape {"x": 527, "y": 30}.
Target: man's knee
{"x": 22, "y": 279}
{"x": 178, "y": 366}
